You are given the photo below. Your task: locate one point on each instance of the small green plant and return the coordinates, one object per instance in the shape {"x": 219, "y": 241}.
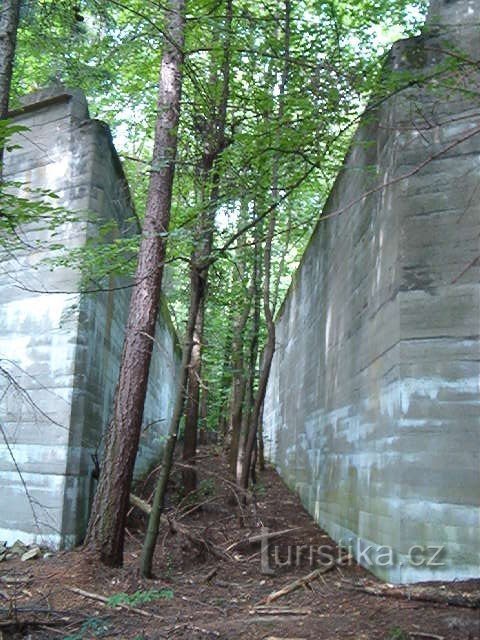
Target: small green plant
{"x": 397, "y": 634}
{"x": 139, "y": 597}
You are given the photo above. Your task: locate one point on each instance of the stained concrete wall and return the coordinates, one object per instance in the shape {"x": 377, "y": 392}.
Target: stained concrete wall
{"x": 62, "y": 348}
{"x": 372, "y": 407}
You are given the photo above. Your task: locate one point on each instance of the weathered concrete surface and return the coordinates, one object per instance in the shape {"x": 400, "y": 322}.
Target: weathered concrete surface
{"x": 372, "y": 408}
{"x": 62, "y": 348}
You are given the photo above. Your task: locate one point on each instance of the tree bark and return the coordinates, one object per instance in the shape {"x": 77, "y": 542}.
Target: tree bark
{"x": 106, "y": 530}
{"x": 9, "y": 19}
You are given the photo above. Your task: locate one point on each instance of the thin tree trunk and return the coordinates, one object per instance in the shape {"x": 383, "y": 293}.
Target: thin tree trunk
{"x": 161, "y": 487}
{"x": 251, "y": 375}
{"x": 106, "y": 530}
{"x": 267, "y": 362}
{"x": 254, "y": 349}
{"x": 192, "y": 412}
{"x": 253, "y": 469}
{"x": 261, "y": 443}
{"x": 238, "y": 384}
{"x": 203, "y": 435}
{"x": 9, "y": 19}
{"x": 214, "y": 145}
{"x": 225, "y": 383}
{"x": 267, "y": 265}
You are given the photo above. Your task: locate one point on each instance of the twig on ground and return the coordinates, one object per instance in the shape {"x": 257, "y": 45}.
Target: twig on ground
{"x": 280, "y": 611}
{"x": 419, "y": 593}
{"x": 211, "y": 574}
{"x": 261, "y": 537}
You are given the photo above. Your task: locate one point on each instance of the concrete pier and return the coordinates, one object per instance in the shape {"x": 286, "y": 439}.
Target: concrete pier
{"x": 373, "y": 405}
{"x": 60, "y": 348}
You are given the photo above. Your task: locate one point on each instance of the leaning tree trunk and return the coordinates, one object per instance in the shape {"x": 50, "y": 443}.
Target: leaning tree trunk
{"x": 105, "y": 535}
{"x": 161, "y": 487}
{"x": 9, "y": 18}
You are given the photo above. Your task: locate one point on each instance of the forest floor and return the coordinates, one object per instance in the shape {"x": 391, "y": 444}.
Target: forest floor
{"x": 210, "y": 582}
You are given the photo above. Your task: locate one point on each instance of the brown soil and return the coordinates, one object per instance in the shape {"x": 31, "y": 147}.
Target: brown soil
{"x": 206, "y": 606}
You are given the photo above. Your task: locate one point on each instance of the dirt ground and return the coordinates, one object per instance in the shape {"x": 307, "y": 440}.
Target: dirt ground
{"x": 210, "y": 584}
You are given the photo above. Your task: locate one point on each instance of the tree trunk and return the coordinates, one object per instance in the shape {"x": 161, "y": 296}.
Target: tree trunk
{"x": 267, "y": 265}
{"x": 9, "y": 18}
{"x": 161, "y": 487}
{"x": 253, "y": 349}
{"x": 267, "y": 357}
{"x": 238, "y": 393}
{"x": 261, "y": 443}
{"x": 192, "y": 412}
{"x": 225, "y": 382}
{"x": 105, "y": 535}
{"x": 262, "y": 387}
{"x": 238, "y": 385}
{"x": 214, "y": 144}
{"x": 203, "y": 435}
{"x": 251, "y": 374}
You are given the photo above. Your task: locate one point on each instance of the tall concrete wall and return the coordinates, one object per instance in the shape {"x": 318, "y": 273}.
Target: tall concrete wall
{"x": 62, "y": 348}
{"x": 372, "y": 407}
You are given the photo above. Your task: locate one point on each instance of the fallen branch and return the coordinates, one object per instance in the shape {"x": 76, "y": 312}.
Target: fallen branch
{"x": 261, "y": 537}
{"x": 421, "y": 594}
{"x": 297, "y": 584}
{"x": 280, "y": 611}
{"x": 211, "y": 574}
{"x": 105, "y": 601}
{"x": 143, "y": 505}
{"x": 421, "y": 634}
